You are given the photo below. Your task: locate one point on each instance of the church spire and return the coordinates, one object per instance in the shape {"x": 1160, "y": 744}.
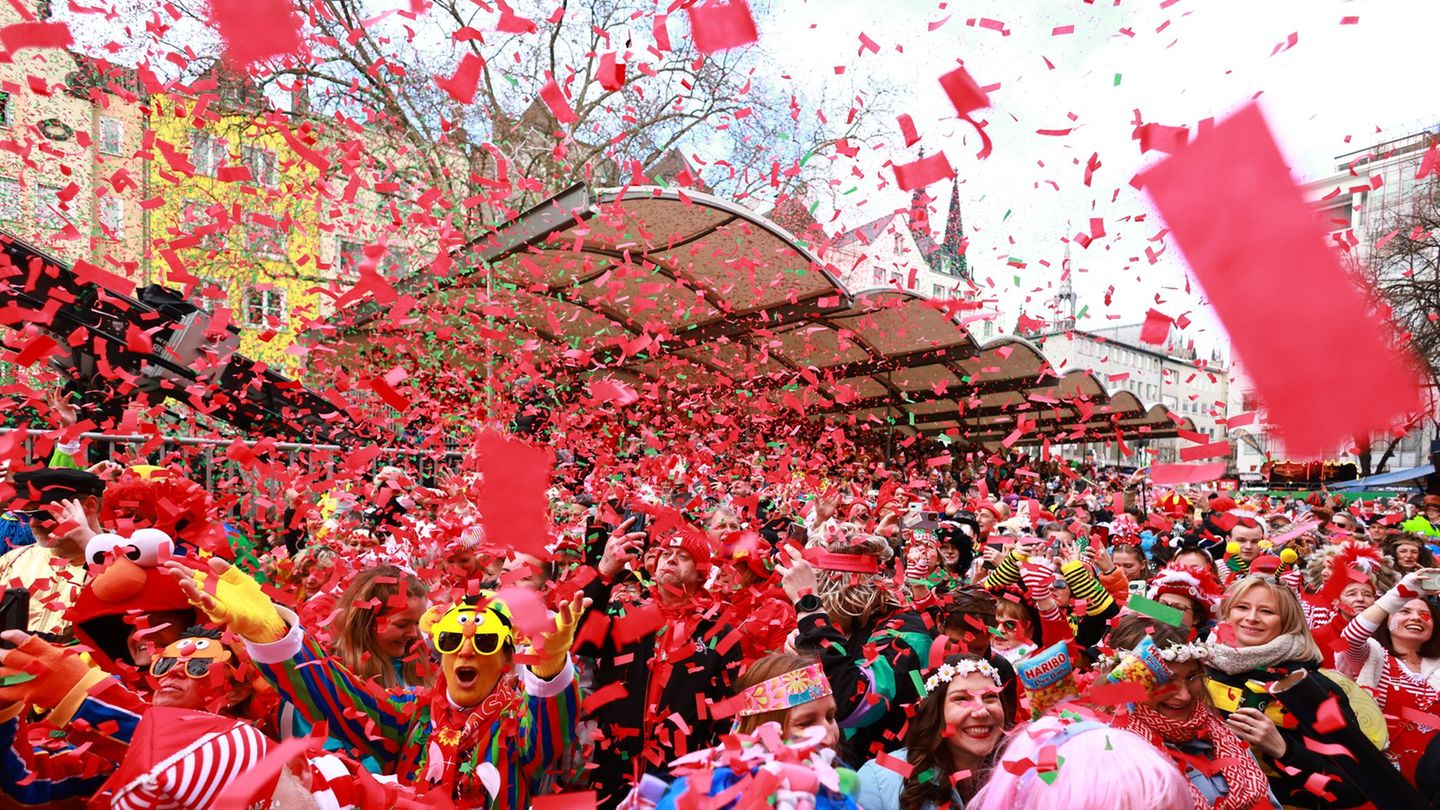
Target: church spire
{"x": 953, "y": 248}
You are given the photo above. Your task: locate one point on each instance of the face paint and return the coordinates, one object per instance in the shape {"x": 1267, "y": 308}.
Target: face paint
{"x": 474, "y": 649}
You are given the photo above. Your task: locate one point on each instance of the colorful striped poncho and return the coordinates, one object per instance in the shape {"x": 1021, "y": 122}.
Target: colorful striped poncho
{"x": 513, "y": 750}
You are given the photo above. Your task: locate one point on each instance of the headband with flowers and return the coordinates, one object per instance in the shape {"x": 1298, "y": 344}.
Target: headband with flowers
{"x": 1173, "y": 654}
{"x": 948, "y": 672}
{"x": 785, "y": 691}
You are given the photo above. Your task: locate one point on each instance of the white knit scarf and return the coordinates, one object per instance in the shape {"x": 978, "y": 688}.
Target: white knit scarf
{"x": 1235, "y": 660}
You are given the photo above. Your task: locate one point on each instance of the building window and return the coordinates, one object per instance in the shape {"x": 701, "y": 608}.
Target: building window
{"x": 266, "y": 240}
{"x": 878, "y": 276}
{"x": 206, "y": 153}
{"x": 264, "y": 307}
{"x": 262, "y": 166}
{"x": 112, "y": 216}
{"x": 47, "y": 207}
{"x": 112, "y": 136}
{"x": 937, "y": 290}
{"x": 12, "y": 203}
{"x": 352, "y": 254}
{"x": 196, "y": 218}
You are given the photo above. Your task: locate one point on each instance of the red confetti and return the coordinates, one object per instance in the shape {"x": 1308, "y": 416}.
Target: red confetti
{"x": 555, "y": 100}
{"x": 1252, "y": 242}
{"x": 255, "y": 30}
{"x": 461, "y": 86}
{"x": 923, "y": 172}
{"x": 1156, "y": 328}
{"x": 1164, "y": 474}
{"x": 512, "y": 500}
{"x": 718, "y": 26}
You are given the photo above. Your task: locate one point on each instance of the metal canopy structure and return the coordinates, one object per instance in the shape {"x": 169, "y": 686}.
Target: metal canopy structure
{"x": 699, "y": 293}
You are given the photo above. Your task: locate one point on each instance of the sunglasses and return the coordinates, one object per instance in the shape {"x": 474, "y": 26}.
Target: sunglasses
{"x": 484, "y": 643}
{"x": 194, "y": 667}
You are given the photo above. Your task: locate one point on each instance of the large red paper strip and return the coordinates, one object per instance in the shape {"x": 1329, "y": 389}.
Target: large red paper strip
{"x": 512, "y": 500}
{"x": 718, "y": 26}
{"x": 1259, "y": 252}
{"x": 1166, "y": 474}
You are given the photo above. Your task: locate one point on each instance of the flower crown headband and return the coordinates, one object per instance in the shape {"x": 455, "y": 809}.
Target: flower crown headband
{"x": 1174, "y": 654}
{"x": 785, "y": 691}
{"x": 948, "y": 672}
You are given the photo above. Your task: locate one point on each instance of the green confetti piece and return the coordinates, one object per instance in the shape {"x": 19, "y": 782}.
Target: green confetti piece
{"x": 1117, "y": 80}
{"x": 1082, "y": 312}
{"x": 1156, "y": 611}
{"x": 1007, "y": 214}
{"x": 928, "y": 775}
{"x": 16, "y": 679}
{"x": 919, "y": 684}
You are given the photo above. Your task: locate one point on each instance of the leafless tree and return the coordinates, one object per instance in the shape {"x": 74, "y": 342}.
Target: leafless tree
{"x": 1403, "y": 271}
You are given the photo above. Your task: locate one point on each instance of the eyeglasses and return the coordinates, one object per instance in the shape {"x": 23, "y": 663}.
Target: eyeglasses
{"x": 194, "y": 667}
{"x": 483, "y": 643}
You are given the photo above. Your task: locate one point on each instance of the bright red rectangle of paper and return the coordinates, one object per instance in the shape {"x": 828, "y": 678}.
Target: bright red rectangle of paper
{"x": 1293, "y": 313}
{"x": 1163, "y": 474}
{"x": 512, "y": 499}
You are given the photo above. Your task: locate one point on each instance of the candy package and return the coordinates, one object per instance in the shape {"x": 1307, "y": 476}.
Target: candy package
{"x": 1048, "y": 677}
{"x": 1142, "y": 665}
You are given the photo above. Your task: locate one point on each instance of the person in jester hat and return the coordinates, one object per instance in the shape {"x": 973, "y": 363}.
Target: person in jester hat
{"x": 485, "y": 734}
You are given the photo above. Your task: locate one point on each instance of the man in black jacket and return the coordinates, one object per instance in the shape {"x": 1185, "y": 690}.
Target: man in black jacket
{"x": 874, "y": 649}
{"x": 671, "y": 656}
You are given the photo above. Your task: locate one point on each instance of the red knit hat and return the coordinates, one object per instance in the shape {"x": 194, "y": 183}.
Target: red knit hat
{"x": 1197, "y": 584}
{"x": 695, "y": 543}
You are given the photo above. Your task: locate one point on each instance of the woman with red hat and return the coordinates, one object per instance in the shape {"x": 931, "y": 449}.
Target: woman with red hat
{"x": 1195, "y": 592}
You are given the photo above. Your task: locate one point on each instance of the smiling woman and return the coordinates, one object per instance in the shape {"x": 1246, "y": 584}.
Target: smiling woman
{"x": 1177, "y": 719}
{"x": 1265, "y": 649}
{"x": 949, "y": 742}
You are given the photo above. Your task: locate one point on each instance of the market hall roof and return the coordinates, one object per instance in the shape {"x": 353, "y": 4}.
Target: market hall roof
{"x": 698, "y": 292}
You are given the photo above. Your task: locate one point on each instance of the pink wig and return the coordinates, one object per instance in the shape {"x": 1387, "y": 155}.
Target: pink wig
{"x": 1099, "y": 768}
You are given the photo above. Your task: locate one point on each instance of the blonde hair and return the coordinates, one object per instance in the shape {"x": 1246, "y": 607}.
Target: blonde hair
{"x": 770, "y": 666}
{"x": 858, "y": 596}
{"x": 1292, "y": 616}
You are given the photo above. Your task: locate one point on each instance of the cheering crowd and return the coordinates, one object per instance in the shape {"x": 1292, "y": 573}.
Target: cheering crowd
{"x": 999, "y": 632}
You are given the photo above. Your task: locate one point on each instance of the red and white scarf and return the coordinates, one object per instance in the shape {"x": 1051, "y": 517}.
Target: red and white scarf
{"x": 1247, "y": 783}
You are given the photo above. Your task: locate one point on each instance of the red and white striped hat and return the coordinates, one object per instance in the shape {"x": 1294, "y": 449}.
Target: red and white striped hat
{"x": 184, "y": 758}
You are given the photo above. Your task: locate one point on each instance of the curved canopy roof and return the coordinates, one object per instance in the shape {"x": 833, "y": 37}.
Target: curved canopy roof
{"x": 698, "y": 292}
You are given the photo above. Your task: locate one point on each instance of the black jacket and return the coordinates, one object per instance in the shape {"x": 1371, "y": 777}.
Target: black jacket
{"x": 637, "y": 738}
{"x": 1366, "y": 776}
{"x": 893, "y": 650}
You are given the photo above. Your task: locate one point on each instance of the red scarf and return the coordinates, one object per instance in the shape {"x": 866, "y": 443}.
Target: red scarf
{"x": 457, "y": 733}
{"x": 1248, "y": 785}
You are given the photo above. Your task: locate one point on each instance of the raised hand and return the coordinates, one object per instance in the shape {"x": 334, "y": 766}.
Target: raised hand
{"x": 620, "y": 549}
{"x": 554, "y": 646}
{"x": 236, "y": 601}
{"x": 797, "y": 575}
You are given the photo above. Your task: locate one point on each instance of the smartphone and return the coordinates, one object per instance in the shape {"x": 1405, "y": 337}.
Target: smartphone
{"x": 14, "y": 613}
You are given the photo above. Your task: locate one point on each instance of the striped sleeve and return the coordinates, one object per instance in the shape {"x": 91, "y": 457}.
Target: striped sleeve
{"x": 1007, "y": 572}
{"x": 549, "y": 726}
{"x": 1357, "y": 648}
{"x": 359, "y": 715}
{"x": 34, "y": 777}
{"x": 106, "y": 719}
{"x": 1084, "y": 586}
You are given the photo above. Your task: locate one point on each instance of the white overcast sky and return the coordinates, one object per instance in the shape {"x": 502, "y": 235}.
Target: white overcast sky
{"x": 1193, "y": 59}
{"x": 1175, "y": 61}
